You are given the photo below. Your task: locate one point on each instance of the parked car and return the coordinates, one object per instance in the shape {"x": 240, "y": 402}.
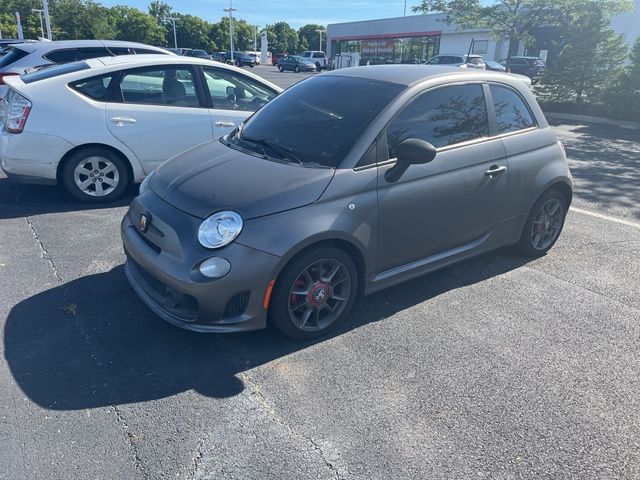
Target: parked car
{"x": 458, "y": 60}
{"x": 195, "y": 52}
{"x": 20, "y": 58}
{"x": 494, "y": 66}
{"x": 317, "y": 57}
{"x": 219, "y": 57}
{"x": 255, "y": 56}
{"x": 531, "y": 67}
{"x": 317, "y": 198}
{"x": 240, "y": 59}
{"x": 175, "y": 51}
{"x": 96, "y": 126}
{"x": 296, "y": 64}
{"x": 276, "y": 57}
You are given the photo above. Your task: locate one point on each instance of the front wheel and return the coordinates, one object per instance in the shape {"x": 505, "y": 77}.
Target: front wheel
{"x": 314, "y": 294}
{"x": 543, "y": 225}
{"x": 95, "y": 175}
{"x": 318, "y": 67}
{"x": 297, "y": 69}
{"x": 281, "y": 68}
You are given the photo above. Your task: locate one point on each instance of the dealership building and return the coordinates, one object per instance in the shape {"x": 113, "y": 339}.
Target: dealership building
{"x": 411, "y": 39}
{"x": 416, "y": 38}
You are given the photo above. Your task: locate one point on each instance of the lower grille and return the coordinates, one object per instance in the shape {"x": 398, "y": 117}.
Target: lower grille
{"x": 236, "y": 305}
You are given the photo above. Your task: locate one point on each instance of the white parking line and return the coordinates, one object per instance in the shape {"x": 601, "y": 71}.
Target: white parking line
{"x": 606, "y": 217}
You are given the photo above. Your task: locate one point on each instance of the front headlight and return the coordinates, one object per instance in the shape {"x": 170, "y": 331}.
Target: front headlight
{"x": 219, "y": 229}
{"x": 145, "y": 183}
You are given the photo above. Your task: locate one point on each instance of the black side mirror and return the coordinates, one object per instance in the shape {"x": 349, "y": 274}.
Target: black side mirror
{"x": 411, "y": 151}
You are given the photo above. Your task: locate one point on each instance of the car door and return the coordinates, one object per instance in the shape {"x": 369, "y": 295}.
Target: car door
{"x": 158, "y": 113}
{"x": 456, "y": 199}
{"x": 233, "y": 98}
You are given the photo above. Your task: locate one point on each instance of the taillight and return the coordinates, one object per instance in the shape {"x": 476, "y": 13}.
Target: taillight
{"x": 16, "y": 112}
{"x": 8, "y": 74}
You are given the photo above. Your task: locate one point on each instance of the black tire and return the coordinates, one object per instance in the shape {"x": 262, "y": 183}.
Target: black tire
{"x": 318, "y": 67}
{"x": 283, "y": 298}
{"x": 281, "y": 68}
{"x": 537, "y": 243}
{"x": 297, "y": 69}
{"x": 104, "y": 159}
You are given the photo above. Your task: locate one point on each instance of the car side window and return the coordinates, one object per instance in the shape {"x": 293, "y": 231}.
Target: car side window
{"x": 169, "y": 85}
{"x": 232, "y": 91}
{"x": 96, "y": 88}
{"x": 444, "y": 116}
{"x": 434, "y": 61}
{"x": 94, "y": 52}
{"x": 512, "y": 114}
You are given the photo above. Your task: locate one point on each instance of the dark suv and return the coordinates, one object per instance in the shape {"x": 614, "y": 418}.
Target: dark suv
{"x": 531, "y": 67}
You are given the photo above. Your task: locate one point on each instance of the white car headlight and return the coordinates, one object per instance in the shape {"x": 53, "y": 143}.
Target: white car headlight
{"x": 145, "y": 183}
{"x": 220, "y": 229}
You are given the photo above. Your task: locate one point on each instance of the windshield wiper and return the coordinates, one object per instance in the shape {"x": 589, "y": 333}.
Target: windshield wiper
{"x": 284, "y": 153}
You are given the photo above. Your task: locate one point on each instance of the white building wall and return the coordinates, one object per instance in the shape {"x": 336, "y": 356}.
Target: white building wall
{"x": 460, "y": 43}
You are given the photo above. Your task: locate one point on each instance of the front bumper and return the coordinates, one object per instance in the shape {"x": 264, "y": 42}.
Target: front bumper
{"x": 162, "y": 267}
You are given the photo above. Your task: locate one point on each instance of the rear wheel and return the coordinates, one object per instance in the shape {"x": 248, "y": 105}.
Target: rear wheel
{"x": 318, "y": 66}
{"x": 297, "y": 69}
{"x": 95, "y": 175}
{"x": 543, "y": 225}
{"x": 314, "y": 294}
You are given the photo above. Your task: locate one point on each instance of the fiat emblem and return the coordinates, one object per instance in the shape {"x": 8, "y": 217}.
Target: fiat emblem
{"x": 143, "y": 223}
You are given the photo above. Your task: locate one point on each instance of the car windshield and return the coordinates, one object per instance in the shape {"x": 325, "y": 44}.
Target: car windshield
{"x": 318, "y": 120}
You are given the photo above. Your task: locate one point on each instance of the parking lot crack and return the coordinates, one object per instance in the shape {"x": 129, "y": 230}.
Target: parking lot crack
{"x": 256, "y": 392}
{"x": 43, "y": 251}
{"x": 131, "y": 440}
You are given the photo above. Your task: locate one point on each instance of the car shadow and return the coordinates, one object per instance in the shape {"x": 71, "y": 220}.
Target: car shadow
{"x": 22, "y": 200}
{"x": 92, "y": 343}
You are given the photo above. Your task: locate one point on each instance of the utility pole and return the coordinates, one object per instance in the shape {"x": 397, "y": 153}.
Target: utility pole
{"x": 175, "y": 38}
{"x": 405, "y": 8}
{"x": 255, "y": 39}
{"x": 231, "y": 10}
{"x": 320, "y": 31}
{"x": 40, "y": 12}
{"x": 47, "y": 20}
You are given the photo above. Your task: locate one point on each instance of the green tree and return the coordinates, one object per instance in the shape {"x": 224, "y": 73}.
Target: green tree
{"x": 282, "y": 38}
{"x": 512, "y": 19}
{"x": 192, "y": 32}
{"x": 79, "y": 19}
{"x": 622, "y": 98}
{"x": 136, "y": 26}
{"x": 309, "y": 37}
{"x": 590, "y": 54}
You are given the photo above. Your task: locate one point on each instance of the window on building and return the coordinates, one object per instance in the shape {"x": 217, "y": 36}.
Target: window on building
{"x": 481, "y": 47}
{"x": 442, "y": 117}
{"x": 512, "y": 114}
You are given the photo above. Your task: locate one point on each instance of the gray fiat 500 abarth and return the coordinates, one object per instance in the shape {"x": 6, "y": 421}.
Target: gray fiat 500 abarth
{"x": 347, "y": 183}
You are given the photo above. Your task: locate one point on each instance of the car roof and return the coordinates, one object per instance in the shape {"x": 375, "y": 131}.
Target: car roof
{"x": 58, "y": 44}
{"x": 412, "y": 74}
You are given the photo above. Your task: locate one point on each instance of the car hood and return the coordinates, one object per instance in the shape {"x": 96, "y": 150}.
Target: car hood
{"x": 213, "y": 177}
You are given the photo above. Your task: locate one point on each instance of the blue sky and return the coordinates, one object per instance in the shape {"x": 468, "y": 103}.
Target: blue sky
{"x": 295, "y": 12}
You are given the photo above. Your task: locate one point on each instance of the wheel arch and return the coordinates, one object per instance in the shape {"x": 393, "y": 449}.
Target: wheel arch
{"x": 348, "y": 246}
{"x": 65, "y": 158}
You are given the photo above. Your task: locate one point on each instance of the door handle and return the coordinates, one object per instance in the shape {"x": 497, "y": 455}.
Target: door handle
{"x": 120, "y": 121}
{"x": 225, "y": 124}
{"x": 495, "y": 170}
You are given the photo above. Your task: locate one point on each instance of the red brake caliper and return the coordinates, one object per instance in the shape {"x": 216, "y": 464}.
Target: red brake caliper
{"x": 294, "y": 298}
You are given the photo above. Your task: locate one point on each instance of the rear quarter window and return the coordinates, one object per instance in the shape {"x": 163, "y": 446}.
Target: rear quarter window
{"x": 96, "y": 88}
{"x": 512, "y": 113}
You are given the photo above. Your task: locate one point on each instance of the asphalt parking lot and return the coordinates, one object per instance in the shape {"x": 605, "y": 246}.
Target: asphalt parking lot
{"x": 497, "y": 368}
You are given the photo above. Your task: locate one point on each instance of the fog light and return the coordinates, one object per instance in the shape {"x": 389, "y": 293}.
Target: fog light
{"x": 215, "y": 267}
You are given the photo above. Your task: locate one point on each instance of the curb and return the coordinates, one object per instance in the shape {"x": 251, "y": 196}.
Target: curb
{"x": 601, "y": 120}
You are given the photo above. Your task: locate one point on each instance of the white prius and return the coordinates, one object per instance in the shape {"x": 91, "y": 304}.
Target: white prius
{"x": 96, "y": 126}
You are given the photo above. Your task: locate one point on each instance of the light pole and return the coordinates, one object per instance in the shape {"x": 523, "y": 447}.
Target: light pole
{"x": 40, "y": 12}
{"x": 255, "y": 39}
{"x": 175, "y": 38}
{"x": 231, "y": 10}
{"x": 47, "y": 20}
{"x": 320, "y": 32}
{"x": 405, "y": 8}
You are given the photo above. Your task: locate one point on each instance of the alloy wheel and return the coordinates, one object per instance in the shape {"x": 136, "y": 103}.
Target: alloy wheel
{"x": 547, "y": 224}
{"x": 96, "y": 176}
